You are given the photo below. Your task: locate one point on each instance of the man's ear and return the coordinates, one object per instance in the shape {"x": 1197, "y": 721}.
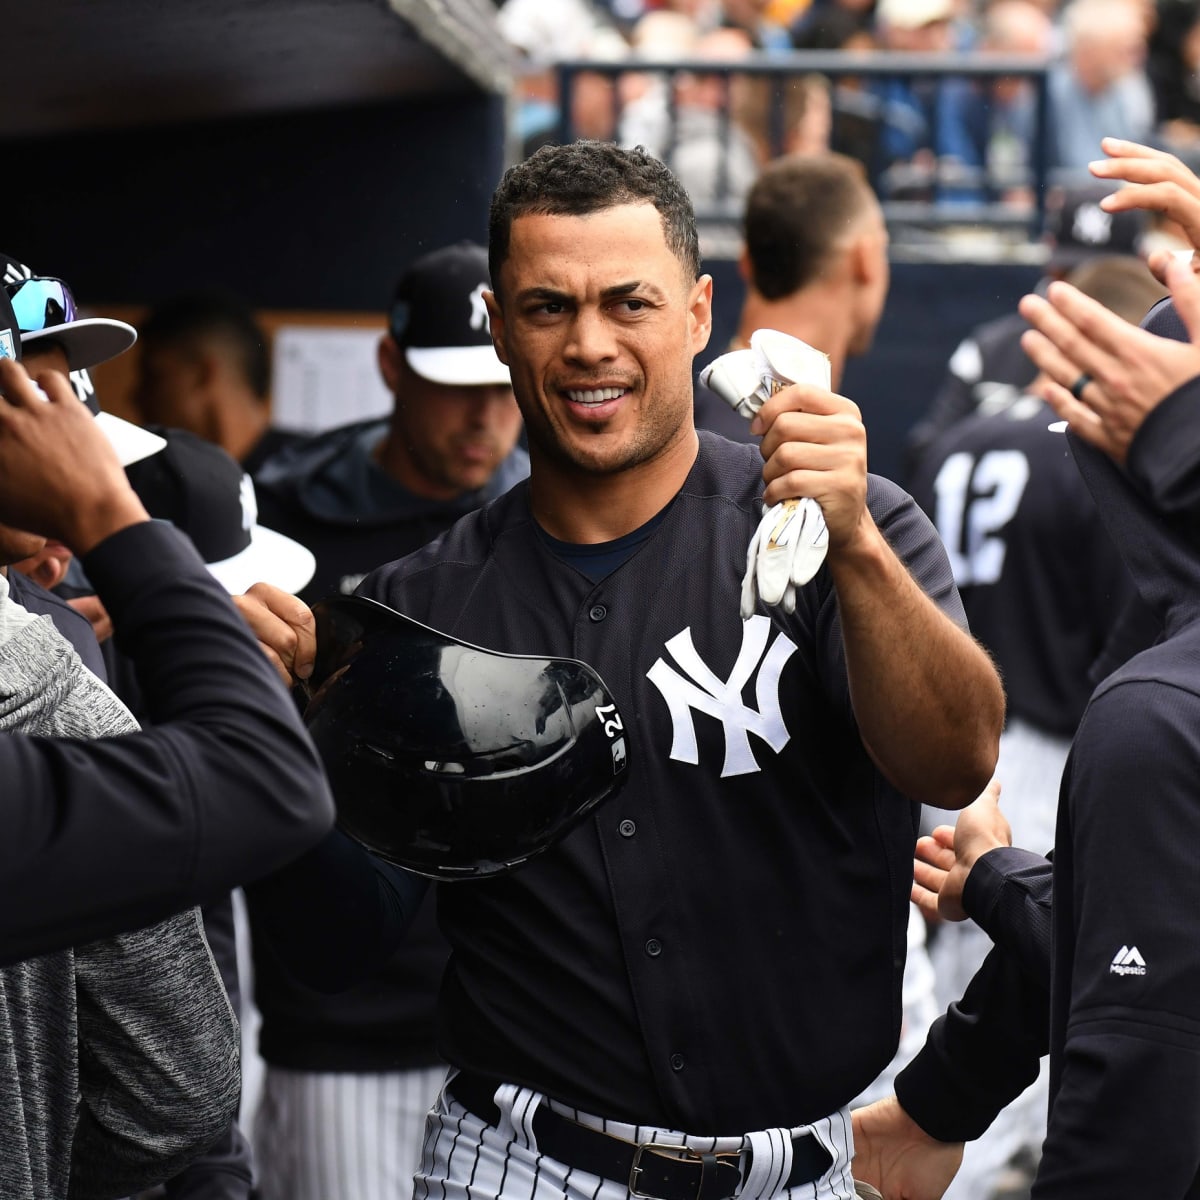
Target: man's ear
{"x": 745, "y": 268}
{"x": 391, "y": 359}
{"x": 496, "y": 325}
{"x": 700, "y": 312}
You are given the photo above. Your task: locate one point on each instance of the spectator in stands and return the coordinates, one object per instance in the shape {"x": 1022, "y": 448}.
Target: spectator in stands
{"x": 755, "y": 19}
{"x": 1173, "y": 67}
{"x": 1100, "y": 89}
{"x": 709, "y": 146}
{"x": 925, "y": 146}
{"x": 1003, "y": 116}
{"x": 205, "y": 366}
{"x": 545, "y": 34}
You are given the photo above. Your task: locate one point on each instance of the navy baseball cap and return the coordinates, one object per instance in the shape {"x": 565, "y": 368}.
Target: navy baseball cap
{"x": 42, "y": 308}
{"x": 1078, "y": 229}
{"x": 440, "y": 321}
{"x": 45, "y": 308}
{"x": 203, "y": 491}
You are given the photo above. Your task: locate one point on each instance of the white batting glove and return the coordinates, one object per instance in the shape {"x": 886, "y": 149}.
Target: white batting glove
{"x": 789, "y": 545}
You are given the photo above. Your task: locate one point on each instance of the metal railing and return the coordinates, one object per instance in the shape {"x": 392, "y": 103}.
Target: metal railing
{"x": 956, "y": 193}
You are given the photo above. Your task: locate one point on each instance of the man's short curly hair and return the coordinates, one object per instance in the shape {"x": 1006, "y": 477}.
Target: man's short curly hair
{"x": 586, "y": 177}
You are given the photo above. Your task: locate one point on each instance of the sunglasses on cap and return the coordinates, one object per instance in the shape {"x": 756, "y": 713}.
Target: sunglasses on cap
{"x": 41, "y": 303}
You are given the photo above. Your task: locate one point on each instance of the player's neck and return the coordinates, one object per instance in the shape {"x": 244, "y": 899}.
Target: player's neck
{"x": 586, "y": 509}
{"x": 816, "y": 316}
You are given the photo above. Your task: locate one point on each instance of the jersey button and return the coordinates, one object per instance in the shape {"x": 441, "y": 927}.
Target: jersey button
{"x": 654, "y": 947}
{"x": 598, "y": 612}
{"x": 627, "y": 828}
{"x": 676, "y": 1062}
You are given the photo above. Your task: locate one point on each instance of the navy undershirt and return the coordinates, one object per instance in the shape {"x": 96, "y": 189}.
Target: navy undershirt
{"x": 598, "y": 560}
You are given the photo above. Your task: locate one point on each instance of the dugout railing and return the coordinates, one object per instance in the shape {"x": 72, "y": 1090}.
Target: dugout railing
{"x": 930, "y": 194}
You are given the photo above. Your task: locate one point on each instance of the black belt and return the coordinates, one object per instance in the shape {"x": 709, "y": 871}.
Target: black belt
{"x": 647, "y": 1168}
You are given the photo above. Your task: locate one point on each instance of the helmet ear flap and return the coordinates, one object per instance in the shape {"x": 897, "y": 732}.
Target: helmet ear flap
{"x": 450, "y": 760}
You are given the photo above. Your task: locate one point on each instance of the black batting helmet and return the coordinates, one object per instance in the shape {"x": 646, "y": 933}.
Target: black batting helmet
{"x": 450, "y": 760}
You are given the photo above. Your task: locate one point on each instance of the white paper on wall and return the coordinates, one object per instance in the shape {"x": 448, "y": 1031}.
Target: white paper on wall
{"x": 326, "y": 376}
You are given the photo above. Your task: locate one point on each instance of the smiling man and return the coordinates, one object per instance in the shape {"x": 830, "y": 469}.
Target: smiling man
{"x": 714, "y": 960}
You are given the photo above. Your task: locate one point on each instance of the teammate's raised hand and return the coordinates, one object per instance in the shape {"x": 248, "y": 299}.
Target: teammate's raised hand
{"x": 44, "y": 437}
{"x": 1105, "y": 374}
{"x": 285, "y": 628}
{"x": 815, "y": 445}
{"x": 944, "y": 860}
{"x": 1157, "y": 182}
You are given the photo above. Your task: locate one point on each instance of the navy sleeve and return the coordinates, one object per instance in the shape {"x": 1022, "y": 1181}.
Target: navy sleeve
{"x": 1008, "y": 895}
{"x": 1126, "y": 1087}
{"x": 337, "y": 914}
{"x": 985, "y": 1050}
{"x": 981, "y": 1054}
{"x": 1164, "y": 456}
{"x": 117, "y": 833}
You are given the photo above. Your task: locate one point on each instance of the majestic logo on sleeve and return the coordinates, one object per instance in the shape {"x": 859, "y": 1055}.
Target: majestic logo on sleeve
{"x": 702, "y": 690}
{"x": 1127, "y": 961}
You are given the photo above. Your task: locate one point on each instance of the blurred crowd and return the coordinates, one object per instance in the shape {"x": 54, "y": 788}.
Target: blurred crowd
{"x": 1122, "y": 68}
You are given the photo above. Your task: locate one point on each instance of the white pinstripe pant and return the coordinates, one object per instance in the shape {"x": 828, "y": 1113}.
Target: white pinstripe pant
{"x": 341, "y": 1136}
{"x": 464, "y": 1159}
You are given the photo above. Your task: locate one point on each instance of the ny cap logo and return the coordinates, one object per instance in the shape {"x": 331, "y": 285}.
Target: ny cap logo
{"x": 1127, "y": 961}
{"x": 704, "y": 691}
{"x": 479, "y": 312}
{"x": 16, "y": 272}
{"x": 1092, "y": 225}
{"x": 249, "y": 503}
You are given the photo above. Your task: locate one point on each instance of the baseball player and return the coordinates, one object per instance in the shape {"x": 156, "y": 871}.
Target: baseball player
{"x": 681, "y": 997}
{"x": 1122, "y": 1039}
{"x": 815, "y": 264}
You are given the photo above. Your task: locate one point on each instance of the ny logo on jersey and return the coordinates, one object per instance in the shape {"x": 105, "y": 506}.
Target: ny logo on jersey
{"x": 705, "y": 692}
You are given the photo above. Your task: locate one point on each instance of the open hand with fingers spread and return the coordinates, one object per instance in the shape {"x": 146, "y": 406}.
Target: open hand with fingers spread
{"x": 1104, "y": 374}
{"x": 944, "y": 860}
{"x": 1156, "y": 182}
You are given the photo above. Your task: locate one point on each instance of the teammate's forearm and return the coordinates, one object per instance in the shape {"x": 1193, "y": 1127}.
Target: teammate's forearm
{"x": 927, "y": 699}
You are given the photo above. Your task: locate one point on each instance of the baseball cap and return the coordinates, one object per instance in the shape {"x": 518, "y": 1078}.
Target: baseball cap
{"x": 202, "y": 491}
{"x": 1077, "y": 228}
{"x": 43, "y": 308}
{"x": 913, "y": 14}
{"x": 439, "y": 318}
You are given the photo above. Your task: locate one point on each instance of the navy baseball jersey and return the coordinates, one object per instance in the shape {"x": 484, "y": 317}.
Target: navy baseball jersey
{"x": 1041, "y": 581}
{"x": 721, "y": 946}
